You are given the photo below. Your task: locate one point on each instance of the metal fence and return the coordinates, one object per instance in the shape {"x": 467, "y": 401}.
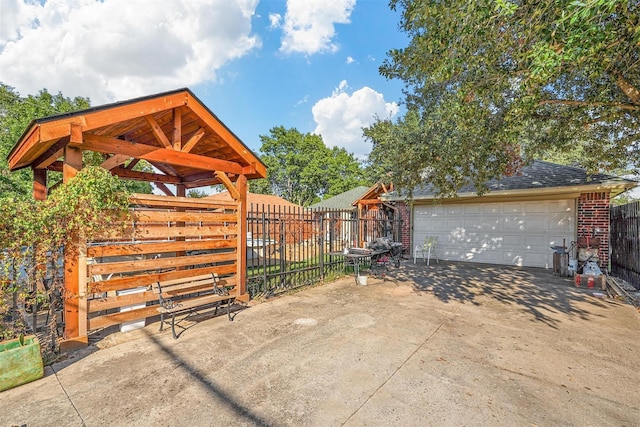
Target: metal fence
{"x": 290, "y": 247}
{"x": 625, "y": 242}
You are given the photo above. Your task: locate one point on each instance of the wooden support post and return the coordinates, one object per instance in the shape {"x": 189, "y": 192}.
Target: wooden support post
{"x": 241, "y": 187}
{"x": 177, "y": 129}
{"x": 180, "y": 192}
{"x": 39, "y": 184}
{"x": 75, "y": 311}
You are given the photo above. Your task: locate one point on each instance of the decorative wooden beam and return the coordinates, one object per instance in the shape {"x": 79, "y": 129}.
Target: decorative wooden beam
{"x": 30, "y": 141}
{"x": 75, "y": 133}
{"x": 212, "y": 121}
{"x": 114, "y": 161}
{"x": 163, "y": 188}
{"x": 165, "y": 169}
{"x": 104, "y": 144}
{"x": 157, "y": 131}
{"x": 52, "y": 154}
{"x": 369, "y": 202}
{"x": 177, "y": 129}
{"x": 132, "y": 163}
{"x": 249, "y": 170}
{"x": 55, "y": 166}
{"x": 201, "y": 176}
{"x": 233, "y": 192}
{"x": 144, "y": 176}
{"x": 97, "y": 118}
{"x": 193, "y": 140}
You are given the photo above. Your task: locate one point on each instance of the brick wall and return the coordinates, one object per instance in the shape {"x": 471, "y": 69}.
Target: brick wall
{"x": 593, "y": 215}
{"x": 405, "y": 232}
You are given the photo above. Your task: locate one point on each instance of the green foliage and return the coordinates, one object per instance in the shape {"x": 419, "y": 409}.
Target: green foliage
{"x": 198, "y": 194}
{"x": 494, "y": 84}
{"x": 16, "y": 113}
{"x": 303, "y": 170}
{"x": 33, "y": 233}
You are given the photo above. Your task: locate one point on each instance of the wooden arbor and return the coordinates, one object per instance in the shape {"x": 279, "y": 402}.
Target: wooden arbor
{"x": 172, "y": 236}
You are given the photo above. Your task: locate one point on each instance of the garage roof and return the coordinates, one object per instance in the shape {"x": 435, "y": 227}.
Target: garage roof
{"x": 540, "y": 178}
{"x": 343, "y": 200}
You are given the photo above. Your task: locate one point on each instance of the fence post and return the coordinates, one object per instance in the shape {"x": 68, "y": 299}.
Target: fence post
{"x": 321, "y": 241}
{"x": 265, "y": 253}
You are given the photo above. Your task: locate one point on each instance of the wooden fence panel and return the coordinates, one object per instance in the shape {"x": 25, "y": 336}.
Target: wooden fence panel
{"x": 165, "y": 238}
{"x": 625, "y": 242}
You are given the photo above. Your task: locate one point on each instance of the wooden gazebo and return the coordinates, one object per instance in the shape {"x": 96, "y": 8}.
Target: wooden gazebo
{"x": 172, "y": 236}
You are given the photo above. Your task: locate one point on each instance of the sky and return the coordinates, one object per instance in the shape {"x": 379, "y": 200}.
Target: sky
{"x": 257, "y": 64}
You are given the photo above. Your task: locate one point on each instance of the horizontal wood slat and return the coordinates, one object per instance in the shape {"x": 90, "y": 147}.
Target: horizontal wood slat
{"x": 158, "y": 247}
{"x": 162, "y": 232}
{"x": 187, "y": 216}
{"x": 125, "y": 316}
{"x": 147, "y": 279}
{"x": 157, "y": 264}
{"x": 107, "y": 303}
{"x": 181, "y": 202}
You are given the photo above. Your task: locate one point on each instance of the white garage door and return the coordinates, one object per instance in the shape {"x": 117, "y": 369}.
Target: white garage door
{"x": 511, "y": 233}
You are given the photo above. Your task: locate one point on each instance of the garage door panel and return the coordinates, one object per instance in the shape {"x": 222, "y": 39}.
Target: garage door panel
{"x": 453, "y": 223}
{"x": 473, "y": 210}
{"x": 561, "y": 206}
{"x": 535, "y": 207}
{"x": 532, "y": 242}
{"x": 512, "y": 208}
{"x": 535, "y": 224}
{"x": 492, "y": 208}
{"x": 560, "y": 222}
{"x": 438, "y": 224}
{"x": 514, "y": 224}
{"x": 512, "y": 241}
{"x": 504, "y": 233}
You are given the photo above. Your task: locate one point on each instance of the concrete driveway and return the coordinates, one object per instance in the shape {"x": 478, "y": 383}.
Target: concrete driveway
{"x": 449, "y": 344}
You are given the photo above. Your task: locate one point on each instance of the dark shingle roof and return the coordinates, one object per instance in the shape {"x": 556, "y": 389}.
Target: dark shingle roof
{"x": 343, "y": 200}
{"x": 537, "y": 175}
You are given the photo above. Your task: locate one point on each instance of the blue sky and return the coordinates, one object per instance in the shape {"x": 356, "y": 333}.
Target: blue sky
{"x": 308, "y": 64}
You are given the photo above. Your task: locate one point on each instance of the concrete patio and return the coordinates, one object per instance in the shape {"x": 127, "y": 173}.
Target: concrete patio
{"x": 448, "y": 344}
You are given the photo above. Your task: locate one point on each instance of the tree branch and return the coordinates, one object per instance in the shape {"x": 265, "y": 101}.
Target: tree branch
{"x": 628, "y": 89}
{"x": 571, "y": 102}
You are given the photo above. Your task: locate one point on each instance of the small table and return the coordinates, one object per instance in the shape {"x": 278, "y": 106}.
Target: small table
{"x": 357, "y": 256}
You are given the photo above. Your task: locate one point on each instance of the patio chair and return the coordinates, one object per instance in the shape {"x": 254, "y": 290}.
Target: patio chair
{"x": 429, "y": 246}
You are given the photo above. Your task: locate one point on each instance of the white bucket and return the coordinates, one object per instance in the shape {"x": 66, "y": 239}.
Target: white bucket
{"x": 573, "y": 265}
{"x": 134, "y": 324}
{"x": 362, "y": 280}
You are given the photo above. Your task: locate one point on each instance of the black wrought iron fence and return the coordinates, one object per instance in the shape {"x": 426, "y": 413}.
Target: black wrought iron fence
{"x": 290, "y": 247}
{"x": 625, "y": 242}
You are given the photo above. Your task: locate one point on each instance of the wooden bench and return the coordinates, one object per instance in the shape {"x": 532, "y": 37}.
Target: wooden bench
{"x": 186, "y": 294}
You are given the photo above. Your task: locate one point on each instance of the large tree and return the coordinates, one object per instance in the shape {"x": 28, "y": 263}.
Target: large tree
{"x": 301, "y": 169}
{"x": 16, "y": 112}
{"x": 493, "y": 84}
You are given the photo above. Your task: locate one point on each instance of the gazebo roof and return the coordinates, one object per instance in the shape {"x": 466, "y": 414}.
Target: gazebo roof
{"x": 174, "y": 131}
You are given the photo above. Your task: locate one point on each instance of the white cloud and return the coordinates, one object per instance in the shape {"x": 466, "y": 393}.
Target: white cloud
{"x": 275, "y": 20}
{"x": 120, "y": 49}
{"x": 341, "y": 117}
{"x": 350, "y": 60}
{"x": 309, "y": 24}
